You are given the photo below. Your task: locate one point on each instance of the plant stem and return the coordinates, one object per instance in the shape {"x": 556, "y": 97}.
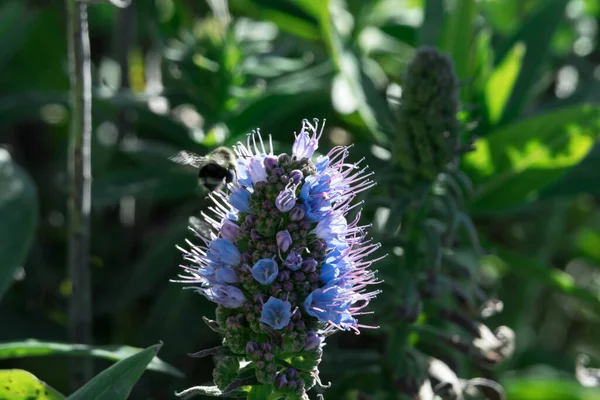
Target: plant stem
{"x": 79, "y": 202}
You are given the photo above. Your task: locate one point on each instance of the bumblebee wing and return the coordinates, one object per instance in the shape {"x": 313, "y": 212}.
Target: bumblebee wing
{"x": 189, "y": 159}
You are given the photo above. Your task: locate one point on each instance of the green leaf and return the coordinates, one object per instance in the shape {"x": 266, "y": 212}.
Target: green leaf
{"x": 548, "y": 389}
{"x": 500, "y": 83}
{"x": 284, "y": 96}
{"x": 260, "y": 392}
{"x": 535, "y": 33}
{"x": 458, "y": 35}
{"x": 510, "y": 166}
{"x": 36, "y": 348}
{"x": 17, "y": 384}
{"x": 430, "y": 31}
{"x": 116, "y": 382}
{"x": 313, "y": 8}
{"x": 532, "y": 268}
{"x": 371, "y": 105}
{"x": 582, "y": 178}
{"x": 587, "y": 242}
{"x": 15, "y": 21}
{"x": 212, "y": 391}
{"x": 18, "y": 213}
{"x": 285, "y": 21}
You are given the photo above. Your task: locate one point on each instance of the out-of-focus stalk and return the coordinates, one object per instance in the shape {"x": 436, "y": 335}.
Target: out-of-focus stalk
{"x": 79, "y": 201}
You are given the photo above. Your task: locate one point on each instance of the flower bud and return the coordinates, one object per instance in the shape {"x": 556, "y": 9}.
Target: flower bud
{"x": 297, "y": 213}
{"x": 278, "y": 172}
{"x": 284, "y": 240}
{"x": 252, "y": 348}
{"x": 292, "y": 297}
{"x": 312, "y": 341}
{"x": 275, "y": 288}
{"x": 286, "y": 199}
{"x": 284, "y": 275}
{"x": 260, "y": 186}
{"x": 268, "y": 204}
{"x": 250, "y": 220}
{"x": 270, "y": 162}
{"x": 296, "y": 315}
{"x": 312, "y": 277}
{"x": 254, "y": 235}
{"x": 320, "y": 245}
{"x": 232, "y": 323}
{"x": 291, "y": 373}
{"x": 266, "y": 347}
{"x": 299, "y": 276}
{"x": 304, "y": 225}
{"x": 293, "y": 261}
{"x": 280, "y": 381}
{"x": 309, "y": 265}
{"x": 259, "y": 298}
{"x": 284, "y": 159}
{"x": 296, "y": 176}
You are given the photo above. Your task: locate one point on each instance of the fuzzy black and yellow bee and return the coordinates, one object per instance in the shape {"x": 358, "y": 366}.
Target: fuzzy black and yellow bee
{"x": 214, "y": 169}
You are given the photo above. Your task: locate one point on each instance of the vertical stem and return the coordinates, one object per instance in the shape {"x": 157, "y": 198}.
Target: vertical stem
{"x": 79, "y": 172}
{"x": 123, "y": 41}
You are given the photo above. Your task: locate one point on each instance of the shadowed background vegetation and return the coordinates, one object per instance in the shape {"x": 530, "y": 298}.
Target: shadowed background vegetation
{"x": 189, "y": 75}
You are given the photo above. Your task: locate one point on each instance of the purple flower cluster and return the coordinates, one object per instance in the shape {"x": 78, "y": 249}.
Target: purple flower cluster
{"x": 282, "y": 256}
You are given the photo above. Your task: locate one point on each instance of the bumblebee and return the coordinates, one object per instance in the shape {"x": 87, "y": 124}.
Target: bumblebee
{"x": 216, "y": 167}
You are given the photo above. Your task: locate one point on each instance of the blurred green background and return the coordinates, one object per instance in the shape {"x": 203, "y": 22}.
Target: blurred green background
{"x": 175, "y": 74}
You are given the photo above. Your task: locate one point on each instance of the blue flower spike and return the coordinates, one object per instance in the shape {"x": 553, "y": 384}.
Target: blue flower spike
{"x": 283, "y": 264}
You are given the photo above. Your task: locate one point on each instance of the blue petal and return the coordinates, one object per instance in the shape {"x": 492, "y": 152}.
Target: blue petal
{"x": 329, "y": 272}
{"x": 222, "y": 251}
{"x": 240, "y": 199}
{"x": 226, "y": 275}
{"x": 276, "y": 313}
{"x": 322, "y": 164}
{"x": 265, "y": 271}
